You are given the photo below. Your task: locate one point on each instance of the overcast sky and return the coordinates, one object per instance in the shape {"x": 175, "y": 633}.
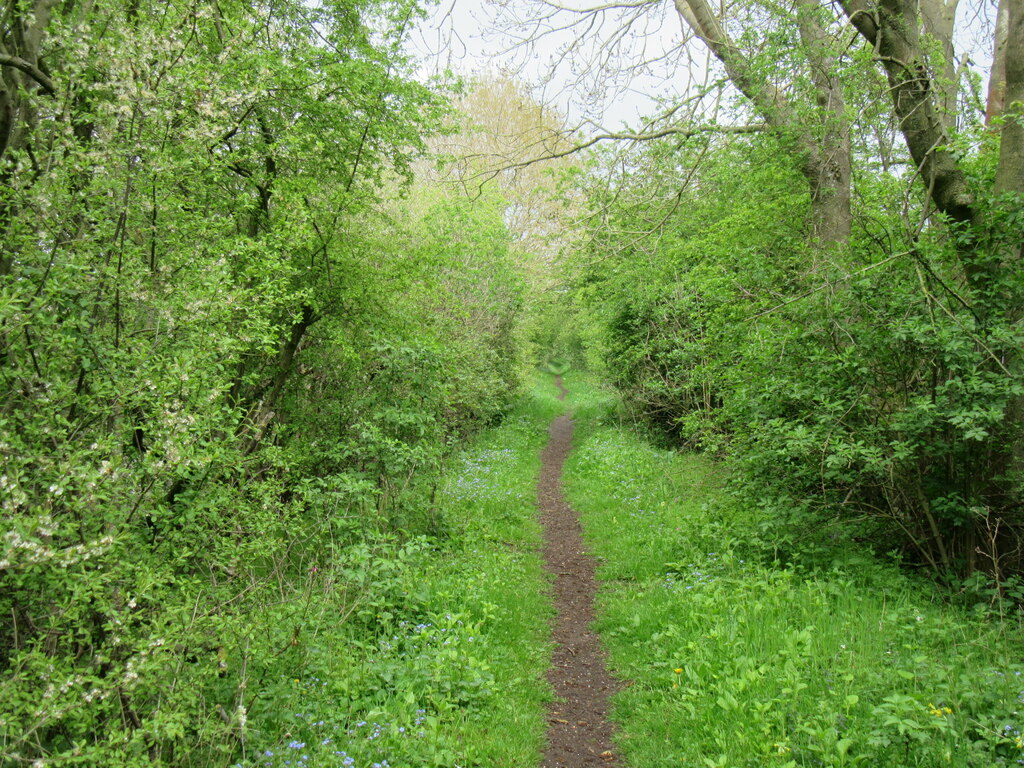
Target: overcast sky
{"x": 470, "y": 37}
{"x": 574, "y": 72}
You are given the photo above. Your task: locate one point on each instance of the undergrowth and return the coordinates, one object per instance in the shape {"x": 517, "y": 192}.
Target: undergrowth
{"x": 438, "y": 658}
{"x": 736, "y": 659}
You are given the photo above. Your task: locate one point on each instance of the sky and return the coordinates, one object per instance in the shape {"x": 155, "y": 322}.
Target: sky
{"x": 575, "y": 71}
{"x": 568, "y": 67}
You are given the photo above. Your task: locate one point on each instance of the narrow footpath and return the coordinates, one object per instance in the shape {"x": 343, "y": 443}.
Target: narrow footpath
{"x": 579, "y": 732}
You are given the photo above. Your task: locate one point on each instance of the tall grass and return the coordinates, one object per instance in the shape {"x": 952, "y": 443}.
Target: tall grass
{"x": 440, "y": 659}
{"x": 738, "y": 660}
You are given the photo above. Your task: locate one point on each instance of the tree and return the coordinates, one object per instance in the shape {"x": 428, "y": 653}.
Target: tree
{"x": 501, "y": 132}
{"x": 197, "y": 277}
{"x": 821, "y": 145}
{"x": 911, "y": 411}
{"x": 506, "y": 146}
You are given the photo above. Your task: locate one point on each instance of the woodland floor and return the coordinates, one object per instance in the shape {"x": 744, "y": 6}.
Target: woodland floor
{"x": 579, "y": 732}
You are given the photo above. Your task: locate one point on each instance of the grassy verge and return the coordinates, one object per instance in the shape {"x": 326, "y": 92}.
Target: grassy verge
{"x": 739, "y": 661}
{"x": 439, "y": 655}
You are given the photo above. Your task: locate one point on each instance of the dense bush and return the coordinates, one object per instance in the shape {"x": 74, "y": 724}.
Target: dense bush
{"x": 871, "y": 385}
{"x": 229, "y": 368}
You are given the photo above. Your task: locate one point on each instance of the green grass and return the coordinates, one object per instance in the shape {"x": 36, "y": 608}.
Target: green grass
{"x": 440, "y": 659}
{"x": 439, "y": 656}
{"x": 739, "y": 661}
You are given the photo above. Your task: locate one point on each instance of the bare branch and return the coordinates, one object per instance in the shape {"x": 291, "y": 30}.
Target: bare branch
{"x": 624, "y": 136}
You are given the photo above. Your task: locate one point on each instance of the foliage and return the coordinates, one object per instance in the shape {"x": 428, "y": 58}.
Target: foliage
{"x": 424, "y": 652}
{"x": 232, "y": 374}
{"x": 240, "y": 345}
{"x": 673, "y": 302}
{"x": 737, "y": 661}
{"x": 874, "y": 384}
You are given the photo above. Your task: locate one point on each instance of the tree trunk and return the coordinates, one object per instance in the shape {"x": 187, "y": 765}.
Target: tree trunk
{"x": 828, "y": 166}
{"x": 997, "y": 77}
{"x": 891, "y": 27}
{"x": 262, "y": 414}
{"x": 21, "y": 36}
{"x": 939, "y": 17}
{"x": 825, "y": 163}
{"x": 1010, "y": 172}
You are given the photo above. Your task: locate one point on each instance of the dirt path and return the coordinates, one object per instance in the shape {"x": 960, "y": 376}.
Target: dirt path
{"x": 579, "y": 733}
